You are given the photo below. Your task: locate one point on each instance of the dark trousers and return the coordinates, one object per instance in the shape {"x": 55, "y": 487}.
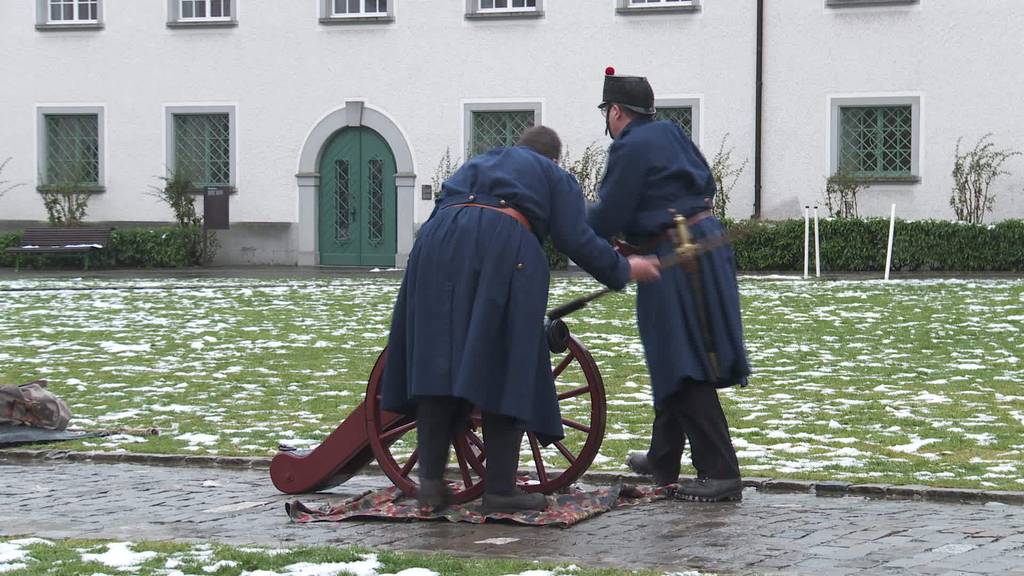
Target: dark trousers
{"x": 694, "y": 412}
{"x": 440, "y": 418}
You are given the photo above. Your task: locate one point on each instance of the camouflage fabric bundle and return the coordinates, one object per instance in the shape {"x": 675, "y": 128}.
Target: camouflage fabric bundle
{"x": 33, "y": 405}
{"x": 565, "y": 511}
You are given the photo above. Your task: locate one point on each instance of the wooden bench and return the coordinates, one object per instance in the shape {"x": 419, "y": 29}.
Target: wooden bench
{"x": 61, "y": 241}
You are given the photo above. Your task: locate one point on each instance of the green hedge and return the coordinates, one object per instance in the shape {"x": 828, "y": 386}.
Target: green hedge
{"x": 167, "y": 247}
{"x": 849, "y": 245}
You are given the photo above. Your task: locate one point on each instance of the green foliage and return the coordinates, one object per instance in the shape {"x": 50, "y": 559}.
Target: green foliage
{"x": 855, "y": 245}
{"x": 446, "y": 167}
{"x": 168, "y": 247}
{"x": 178, "y": 192}
{"x": 726, "y": 174}
{"x": 973, "y": 173}
{"x": 66, "y": 201}
{"x": 588, "y": 168}
{"x": 556, "y": 260}
{"x": 65, "y": 204}
{"x": 8, "y": 240}
{"x": 841, "y": 194}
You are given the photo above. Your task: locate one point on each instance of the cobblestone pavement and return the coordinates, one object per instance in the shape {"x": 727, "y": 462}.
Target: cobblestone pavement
{"x": 764, "y": 534}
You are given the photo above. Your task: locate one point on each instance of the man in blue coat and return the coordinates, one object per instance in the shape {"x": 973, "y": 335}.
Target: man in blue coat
{"x": 468, "y": 323}
{"x": 689, "y": 320}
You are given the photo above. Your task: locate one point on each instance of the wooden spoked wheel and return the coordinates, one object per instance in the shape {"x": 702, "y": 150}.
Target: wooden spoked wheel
{"x": 393, "y": 441}
{"x": 581, "y": 399}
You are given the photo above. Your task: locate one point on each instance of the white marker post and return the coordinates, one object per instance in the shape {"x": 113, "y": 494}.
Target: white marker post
{"x": 807, "y": 238}
{"x": 817, "y": 246}
{"x": 888, "y": 252}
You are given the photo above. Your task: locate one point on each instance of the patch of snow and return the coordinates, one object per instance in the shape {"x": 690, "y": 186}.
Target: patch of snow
{"x": 120, "y": 555}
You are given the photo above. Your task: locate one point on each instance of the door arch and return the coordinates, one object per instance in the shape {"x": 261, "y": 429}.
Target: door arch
{"x": 357, "y": 200}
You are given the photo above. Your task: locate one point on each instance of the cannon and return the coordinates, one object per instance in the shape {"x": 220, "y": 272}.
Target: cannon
{"x": 370, "y": 433}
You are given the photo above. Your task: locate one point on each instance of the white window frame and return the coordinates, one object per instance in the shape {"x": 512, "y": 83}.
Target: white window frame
{"x": 44, "y": 22}
{"x": 659, "y": 6}
{"x": 42, "y": 150}
{"x": 695, "y": 104}
{"x": 361, "y": 13}
{"x": 846, "y": 3}
{"x": 76, "y": 6}
{"x": 329, "y": 16}
{"x": 535, "y": 105}
{"x": 175, "y": 19}
{"x": 171, "y": 110}
{"x": 474, "y": 10}
{"x": 915, "y": 101}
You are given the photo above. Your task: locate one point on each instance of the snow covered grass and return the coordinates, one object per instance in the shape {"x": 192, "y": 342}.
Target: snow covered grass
{"x": 36, "y": 557}
{"x": 911, "y": 381}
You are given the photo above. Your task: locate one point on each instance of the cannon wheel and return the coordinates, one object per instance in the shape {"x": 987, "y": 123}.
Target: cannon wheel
{"x": 579, "y": 386}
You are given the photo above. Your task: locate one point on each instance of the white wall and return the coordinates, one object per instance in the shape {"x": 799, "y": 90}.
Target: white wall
{"x": 962, "y": 59}
{"x": 284, "y": 71}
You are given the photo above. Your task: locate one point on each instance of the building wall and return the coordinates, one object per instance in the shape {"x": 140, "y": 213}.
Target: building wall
{"x": 284, "y": 72}
{"x": 960, "y": 59}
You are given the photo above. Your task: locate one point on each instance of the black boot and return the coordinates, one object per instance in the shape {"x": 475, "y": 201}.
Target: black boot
{"x": 433, "y": 494}
{"x": 711, "y": 490}
{"x": 517, "y": 501}
{"x": 639, "y": 462}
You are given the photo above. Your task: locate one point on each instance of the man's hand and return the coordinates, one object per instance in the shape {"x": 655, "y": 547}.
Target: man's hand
{"x": 644, "y": 268}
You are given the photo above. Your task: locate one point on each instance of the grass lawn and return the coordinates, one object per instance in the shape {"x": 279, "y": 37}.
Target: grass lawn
{"x": 36, "y": 557}
{"x": 911, "y": 381}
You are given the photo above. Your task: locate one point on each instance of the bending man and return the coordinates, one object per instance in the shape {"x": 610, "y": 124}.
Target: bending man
{"x": 467, "y": 328}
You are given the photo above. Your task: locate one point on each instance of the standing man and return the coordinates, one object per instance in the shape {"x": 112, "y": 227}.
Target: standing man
{"x": 468, "y": 324}
{"x": 689, "y": 321}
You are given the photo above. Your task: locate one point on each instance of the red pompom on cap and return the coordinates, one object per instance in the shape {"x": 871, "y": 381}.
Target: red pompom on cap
{"x": 609, "y": 71}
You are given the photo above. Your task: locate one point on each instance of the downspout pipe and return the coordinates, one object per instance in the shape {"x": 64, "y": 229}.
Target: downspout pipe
{"x": 758, "y": 109}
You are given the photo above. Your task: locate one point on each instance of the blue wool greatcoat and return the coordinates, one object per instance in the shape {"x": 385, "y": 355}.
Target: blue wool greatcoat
{"x": 653, "y": 168}
{"x": 469, "y": 318}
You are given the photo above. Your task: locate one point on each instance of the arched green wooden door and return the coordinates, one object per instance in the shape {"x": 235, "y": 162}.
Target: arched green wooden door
{"x": 357, "y": 222}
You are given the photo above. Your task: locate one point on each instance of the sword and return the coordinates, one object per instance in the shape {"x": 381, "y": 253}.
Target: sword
{"x": 676, "y": 258}
{"x": 684, "y": 249}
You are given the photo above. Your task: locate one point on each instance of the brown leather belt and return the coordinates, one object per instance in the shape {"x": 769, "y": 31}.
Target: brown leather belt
{"x": 698, "y": 217}
{"x": 651, "y": 246}
{"x": 507, "y": 210}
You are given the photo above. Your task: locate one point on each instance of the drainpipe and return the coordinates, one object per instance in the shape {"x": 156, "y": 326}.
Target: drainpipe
{"x": 758, "y": 97}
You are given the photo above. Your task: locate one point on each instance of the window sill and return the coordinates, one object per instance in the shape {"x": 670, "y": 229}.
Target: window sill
{"x": 869, "y": 180}
{"x": 356, "y": 20}
{"x": 844, "y": 3}
{"x": 640, "y": 10}
{"x": 504, "y": 15}
{"x": 202, "y": 24}
{"x": 73, "y": 26}
{"x": 228, "y": 189}
{"x": 88, "y": 189}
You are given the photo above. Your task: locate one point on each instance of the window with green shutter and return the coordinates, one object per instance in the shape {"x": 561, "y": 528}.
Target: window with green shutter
{"x": 876, "y": 141}
{"x": 202, "y": 148}
{"x": 682, "y": 115}
{"x": 498, "y": 128}
{"x": 72, "y": 149}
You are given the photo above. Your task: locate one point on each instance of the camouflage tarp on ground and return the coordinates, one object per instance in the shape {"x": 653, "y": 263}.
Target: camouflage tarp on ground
{"x": 565, "y": 511}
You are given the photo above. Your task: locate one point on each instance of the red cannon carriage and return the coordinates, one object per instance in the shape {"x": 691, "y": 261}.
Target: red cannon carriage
{"x": 371, "y": 433}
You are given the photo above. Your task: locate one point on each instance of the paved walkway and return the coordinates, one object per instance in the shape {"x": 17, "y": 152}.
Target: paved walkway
{"x": 765, "y": 534}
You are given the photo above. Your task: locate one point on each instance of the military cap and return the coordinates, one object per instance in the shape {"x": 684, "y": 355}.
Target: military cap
{"x": 633, "y": 92}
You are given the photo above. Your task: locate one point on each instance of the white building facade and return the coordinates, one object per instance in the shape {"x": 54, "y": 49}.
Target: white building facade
{"x": 326, "y": 120}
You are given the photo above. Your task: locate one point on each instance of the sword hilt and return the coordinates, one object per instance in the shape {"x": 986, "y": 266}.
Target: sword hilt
{"x": 685, "y": 244}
